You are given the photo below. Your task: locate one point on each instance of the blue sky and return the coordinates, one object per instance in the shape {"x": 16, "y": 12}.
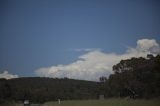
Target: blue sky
{"x": 44, "y": 33}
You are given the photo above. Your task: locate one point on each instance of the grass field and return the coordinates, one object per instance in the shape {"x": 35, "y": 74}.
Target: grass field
{"x": 109, "y": 102}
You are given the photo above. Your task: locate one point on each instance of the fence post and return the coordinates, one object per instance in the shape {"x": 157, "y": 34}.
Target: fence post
{"x": 59, "y": 101}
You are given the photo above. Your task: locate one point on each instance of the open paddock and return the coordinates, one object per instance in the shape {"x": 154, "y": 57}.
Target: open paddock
{"x": 108, "y": 102}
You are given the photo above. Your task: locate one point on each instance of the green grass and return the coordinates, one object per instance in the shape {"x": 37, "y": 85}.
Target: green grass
{"x": 9, "y": 104}
{"x": 109, "y": 102}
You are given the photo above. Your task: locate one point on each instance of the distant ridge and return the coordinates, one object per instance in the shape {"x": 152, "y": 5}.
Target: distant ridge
{"x": 41, "y": 89}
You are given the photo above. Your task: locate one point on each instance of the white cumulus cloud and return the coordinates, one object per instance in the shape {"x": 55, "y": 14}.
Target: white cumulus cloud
{"x": 96, "y": 63}
{"x": 7, "y": 75}
{"x": 148, "y": 45}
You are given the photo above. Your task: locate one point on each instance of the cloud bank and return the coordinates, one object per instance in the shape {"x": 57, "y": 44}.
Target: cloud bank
{"x": 7, "y": 75}
{"x": 96, "y": 63}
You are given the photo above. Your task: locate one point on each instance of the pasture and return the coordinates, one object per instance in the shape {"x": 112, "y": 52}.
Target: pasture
{"x": 109, "y": 102}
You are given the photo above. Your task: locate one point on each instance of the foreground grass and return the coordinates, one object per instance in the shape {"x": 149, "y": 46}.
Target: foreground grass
{"x": 9, "y": 104}
{"x": 109, "y": 102}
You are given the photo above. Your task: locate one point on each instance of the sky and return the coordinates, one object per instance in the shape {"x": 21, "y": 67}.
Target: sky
{"x": 80, "y": 39}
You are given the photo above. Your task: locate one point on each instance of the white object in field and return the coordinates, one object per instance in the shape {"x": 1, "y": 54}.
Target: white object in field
{"x": 26, "y": 102}
{"x": 59, "y": 101}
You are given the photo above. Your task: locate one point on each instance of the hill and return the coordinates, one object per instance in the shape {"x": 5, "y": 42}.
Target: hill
{"x": 39, "y": 89}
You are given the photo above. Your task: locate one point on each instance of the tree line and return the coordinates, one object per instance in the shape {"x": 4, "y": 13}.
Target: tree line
{"x": 137, "y": 77}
